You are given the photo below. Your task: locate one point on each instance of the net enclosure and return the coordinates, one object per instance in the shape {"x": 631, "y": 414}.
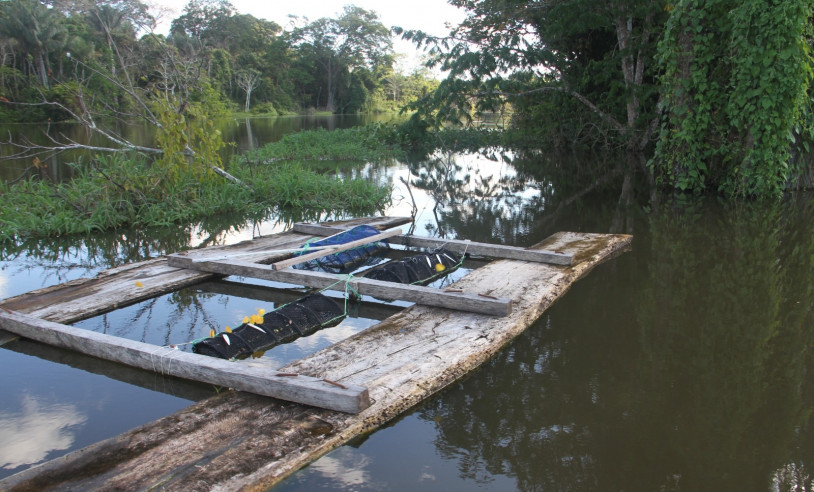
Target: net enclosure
{"x": 293, "y": 320}
{"x": 350, "y": 259}
{"x": 418, "y": 269}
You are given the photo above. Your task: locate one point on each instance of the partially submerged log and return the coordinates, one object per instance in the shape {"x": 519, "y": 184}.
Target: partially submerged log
{"x": 240, "y": 441}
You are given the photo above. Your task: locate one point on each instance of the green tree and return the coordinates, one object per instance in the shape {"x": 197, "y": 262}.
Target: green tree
{"x": 170, "y": 92}
{"x": 356, "y": 40}
{"x": 201, "y": 19}
{"x": 38, "y": 30}
{"x": 594, "y": 54}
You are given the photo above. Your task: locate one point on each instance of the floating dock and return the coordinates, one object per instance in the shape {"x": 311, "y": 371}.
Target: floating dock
{"x": 241, "y": 440}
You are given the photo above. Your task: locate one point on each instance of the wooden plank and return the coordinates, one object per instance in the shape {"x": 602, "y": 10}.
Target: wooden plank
{"x": 476, "y": 303}
{"x": 402, "y": 361}
{"x": 278, "y": 296}
{"x": 279, "y": 265}
{"x": 459, "y": 246}
{"x": 173, "y": 362}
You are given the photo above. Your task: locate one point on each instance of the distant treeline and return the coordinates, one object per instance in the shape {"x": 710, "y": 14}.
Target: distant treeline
{"x": 52, "y": 50}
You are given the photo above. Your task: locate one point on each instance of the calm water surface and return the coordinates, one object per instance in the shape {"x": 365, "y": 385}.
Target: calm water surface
{"x": 684, "y": 364}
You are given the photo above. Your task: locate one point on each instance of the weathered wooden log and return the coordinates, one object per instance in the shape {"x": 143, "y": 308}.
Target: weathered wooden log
{"x": 239, "y": 441}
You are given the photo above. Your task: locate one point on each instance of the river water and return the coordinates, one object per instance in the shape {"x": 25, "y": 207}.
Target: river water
{"x": 684, "y": 364}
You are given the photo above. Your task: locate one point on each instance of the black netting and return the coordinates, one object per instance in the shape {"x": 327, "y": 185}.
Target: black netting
{"x": 349, "y": 260}
{"x": 419, "y": 269}
{"x": 301, "y": 317}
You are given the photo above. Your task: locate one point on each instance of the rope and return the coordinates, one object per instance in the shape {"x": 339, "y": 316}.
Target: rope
{"x": 350, "y": 290}
{"x": 169, "y": 350}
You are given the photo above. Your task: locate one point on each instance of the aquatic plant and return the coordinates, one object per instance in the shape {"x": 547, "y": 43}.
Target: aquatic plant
{"x": 365, "y": 143}
{"x": 116, "y": 191}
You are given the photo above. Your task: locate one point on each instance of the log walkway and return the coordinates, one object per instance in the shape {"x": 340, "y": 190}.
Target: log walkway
{"x": 241, "y": 441}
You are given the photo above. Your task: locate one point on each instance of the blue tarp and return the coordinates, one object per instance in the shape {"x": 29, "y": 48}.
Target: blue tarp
{"x": 349, "y": 260}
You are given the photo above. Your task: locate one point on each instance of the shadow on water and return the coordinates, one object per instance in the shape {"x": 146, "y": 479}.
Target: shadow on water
{"x": 684, "y": 365}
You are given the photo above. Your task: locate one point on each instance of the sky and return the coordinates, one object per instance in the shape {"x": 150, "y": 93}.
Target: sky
{"x": 432, "y": 16}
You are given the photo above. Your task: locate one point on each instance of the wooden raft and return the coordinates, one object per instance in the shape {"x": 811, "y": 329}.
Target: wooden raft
{"x": 241, "y": 441}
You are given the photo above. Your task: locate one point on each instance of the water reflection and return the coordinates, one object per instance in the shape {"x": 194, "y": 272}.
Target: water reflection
{"x": 499, "y": 196}
{"x": 57, "y": 401}
{"x": 700, "y": 382}
{"x": 241, "y": 133}
{"x": 36, "y": 429}
{"x": 37, "y": 263}
{"x": 347, "y": 469}
{"x": 727, "y": 324}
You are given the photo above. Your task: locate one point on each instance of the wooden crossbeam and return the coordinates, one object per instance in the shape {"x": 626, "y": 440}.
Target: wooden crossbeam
{"x": 461, "y": 301}
{"x": 327, "y": 250}
{"x": 458, "y": 246}
{"x": 166, "y": 360}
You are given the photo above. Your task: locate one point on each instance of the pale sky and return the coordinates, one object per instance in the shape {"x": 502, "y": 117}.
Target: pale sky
{"x": 432, "y": 16}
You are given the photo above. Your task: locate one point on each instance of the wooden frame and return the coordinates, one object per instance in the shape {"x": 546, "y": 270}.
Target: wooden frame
{"x": 401, "y": 361}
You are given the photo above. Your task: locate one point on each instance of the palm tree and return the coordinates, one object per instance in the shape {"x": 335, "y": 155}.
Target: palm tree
{"x": 38, "y": 30}
{"x": 107, "y": 19}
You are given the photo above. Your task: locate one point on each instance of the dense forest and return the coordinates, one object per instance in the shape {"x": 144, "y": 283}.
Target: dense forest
{"x": 51, "y": 50}
{"x": 706, "y": 97}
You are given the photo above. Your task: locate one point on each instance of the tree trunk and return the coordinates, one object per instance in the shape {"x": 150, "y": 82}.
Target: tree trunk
{"x": 42, "y": 69}
{"x": 329, "y": 106}
{"x": 633, "y": 75}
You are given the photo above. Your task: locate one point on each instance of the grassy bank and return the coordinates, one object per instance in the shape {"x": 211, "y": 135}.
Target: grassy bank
{"x": 114, "y": 192}
{"x": 110, "y": 192}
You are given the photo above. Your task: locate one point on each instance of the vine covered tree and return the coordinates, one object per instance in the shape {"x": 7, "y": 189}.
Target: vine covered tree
{"x": 736, "y": 79}
{"x": 725, "y": 81}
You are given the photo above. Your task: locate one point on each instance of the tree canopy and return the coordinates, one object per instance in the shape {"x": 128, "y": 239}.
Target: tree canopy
{"x": 333, "y": 64}
{"x": 714, "y": 93}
